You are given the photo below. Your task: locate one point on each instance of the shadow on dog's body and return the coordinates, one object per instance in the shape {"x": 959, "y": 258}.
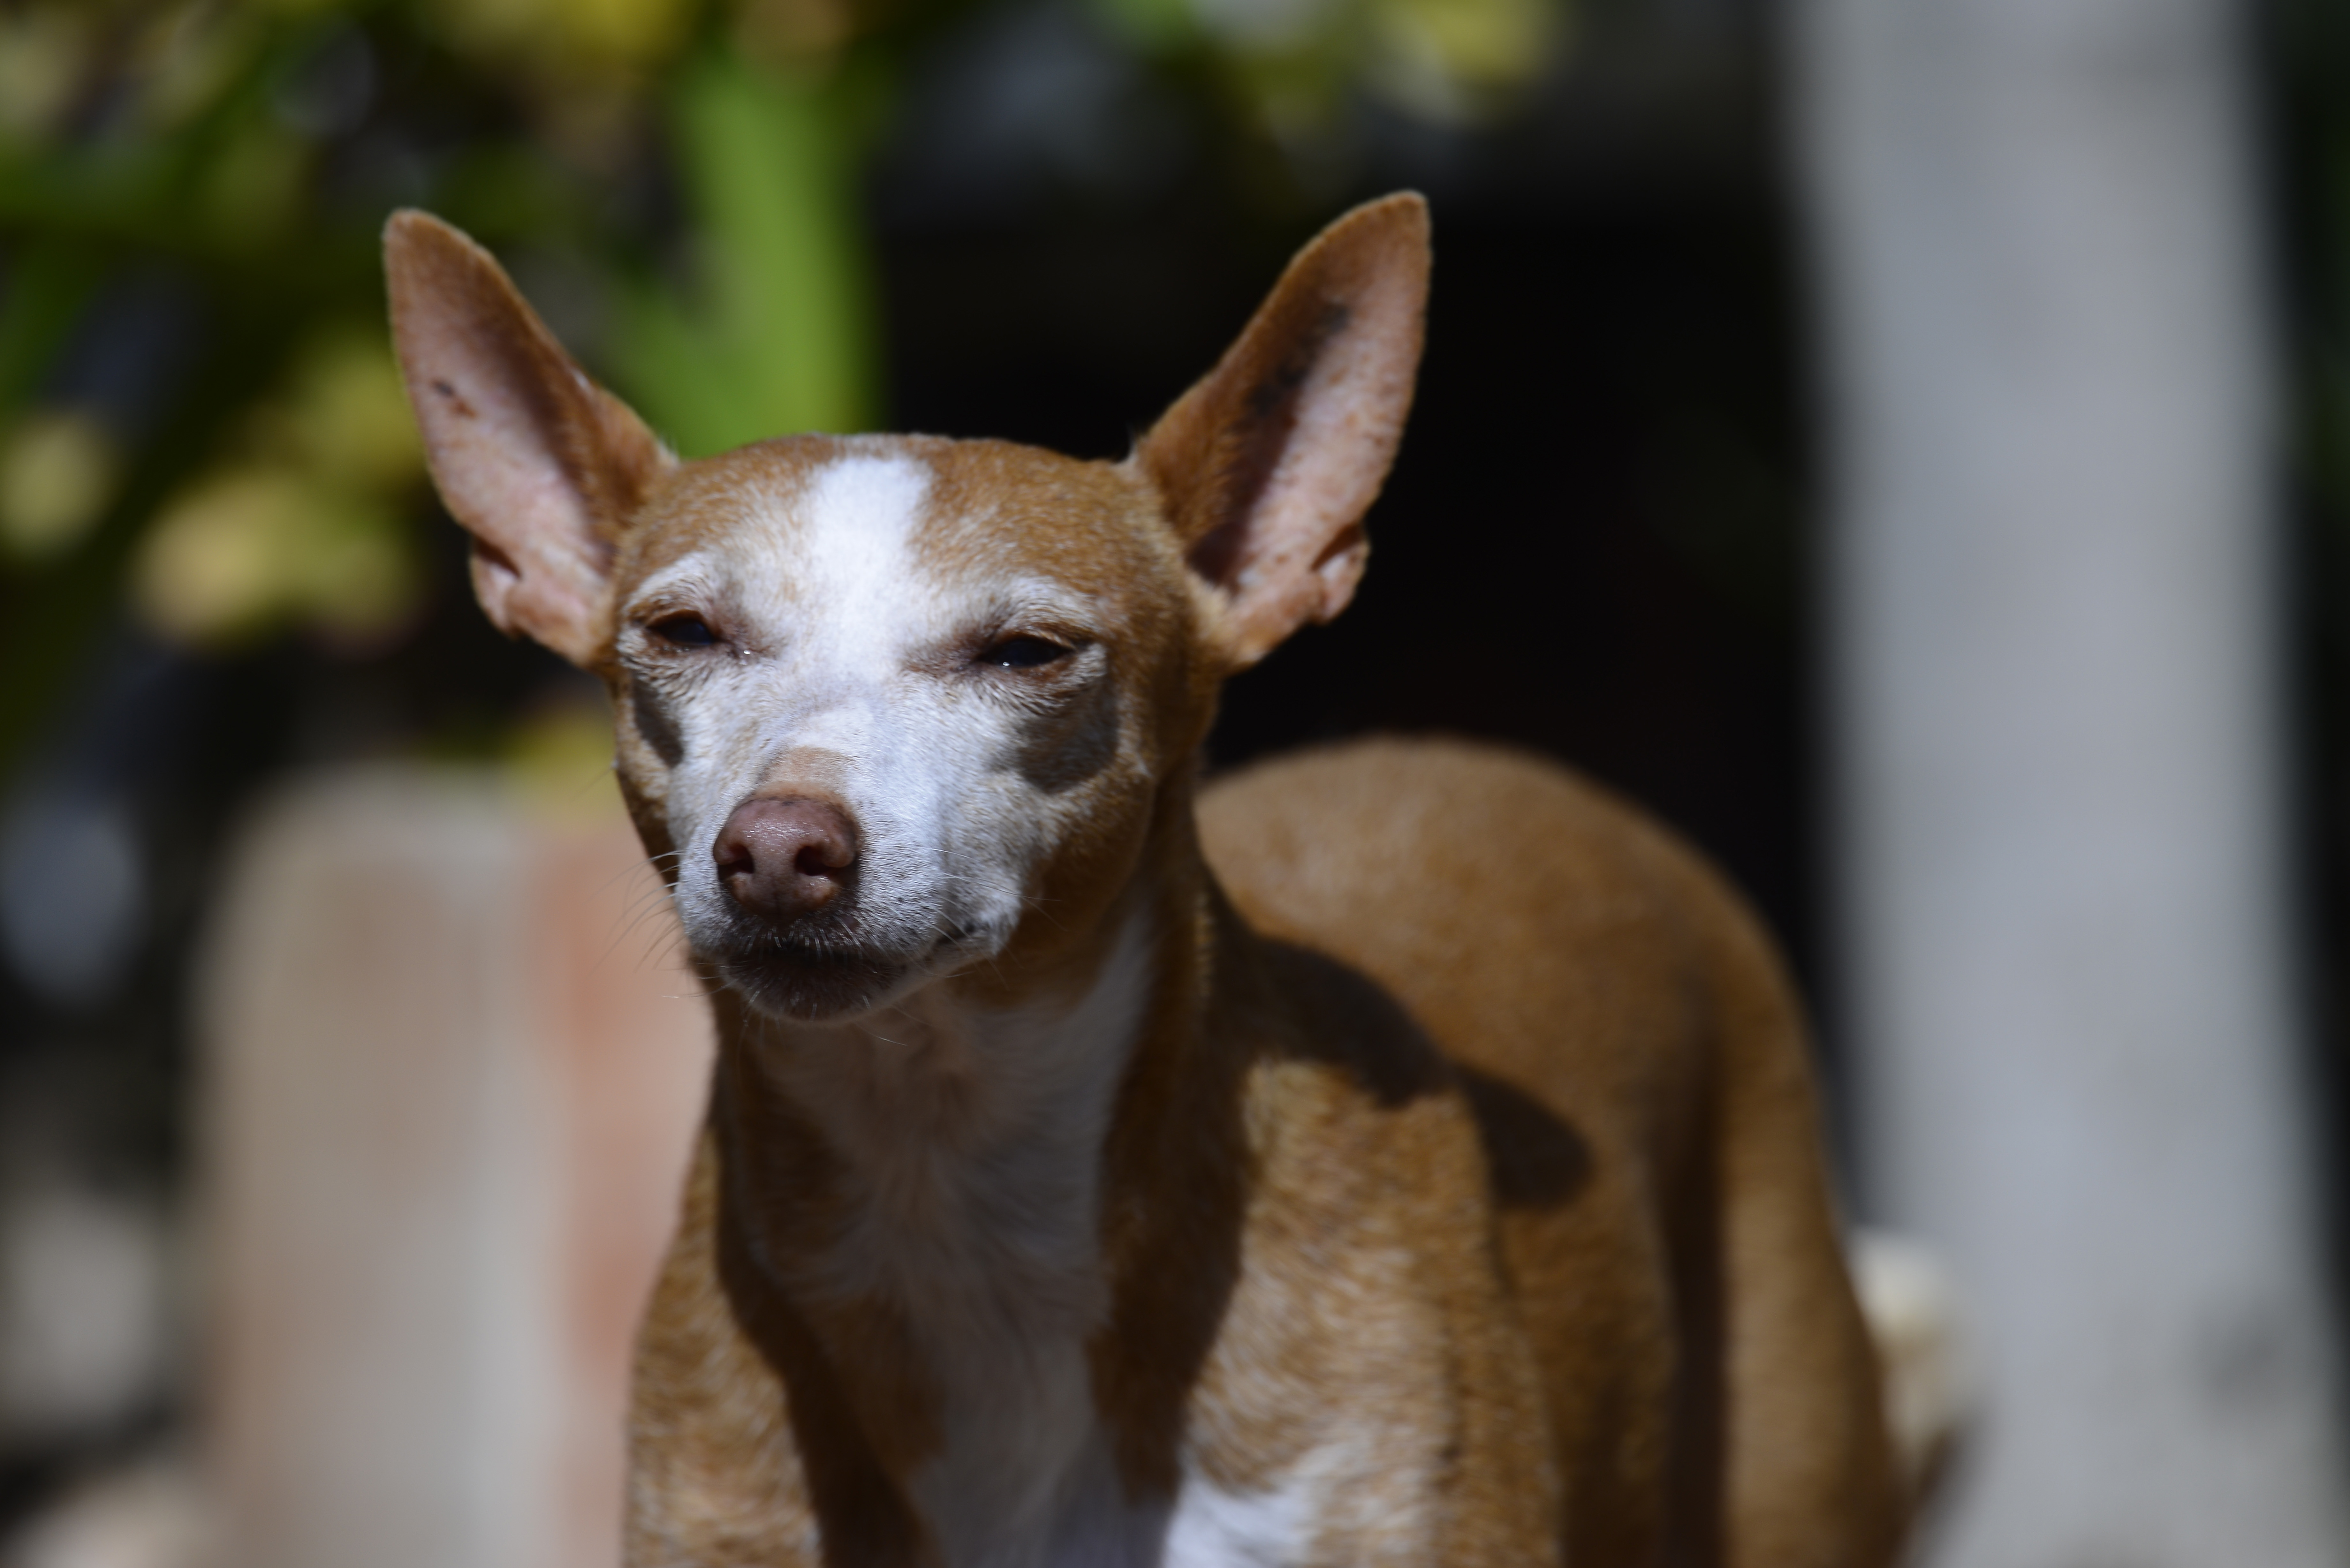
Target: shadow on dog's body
{"x": 1628, "y": 1053}
{"x": 1435, "y": 1182}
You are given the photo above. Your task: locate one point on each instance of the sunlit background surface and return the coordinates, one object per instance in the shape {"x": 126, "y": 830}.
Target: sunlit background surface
{"x": 275, "y": 800}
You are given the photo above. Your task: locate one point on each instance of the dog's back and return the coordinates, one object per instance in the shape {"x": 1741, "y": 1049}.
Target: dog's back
{"x": 1637, "y": 1068}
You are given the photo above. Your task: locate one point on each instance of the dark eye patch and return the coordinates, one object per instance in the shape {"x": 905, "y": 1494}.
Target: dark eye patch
{"x": 1022, "y": 653}
{"x": 682, "y": 631}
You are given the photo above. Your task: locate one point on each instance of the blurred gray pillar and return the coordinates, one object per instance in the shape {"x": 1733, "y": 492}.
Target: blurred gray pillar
{"x": 2055, "y": 693}
{"x": 453, "y": 1066}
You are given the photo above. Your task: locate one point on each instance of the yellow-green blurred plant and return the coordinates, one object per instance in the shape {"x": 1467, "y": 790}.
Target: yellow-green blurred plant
{"x": 565, "y": 36}
{"x": 1295, "y": 63}
{"x": 239, "y": 156}
{"x": 268, "y": 478}
{"x": 302, "y": 519}
{"x": 58, "y": 467}
{"x": 778, "y": 335}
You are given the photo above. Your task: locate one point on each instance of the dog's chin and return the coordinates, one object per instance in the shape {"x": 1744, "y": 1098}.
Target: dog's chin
{"x": 831, "y": 977}
{"x": 803, "y": 987}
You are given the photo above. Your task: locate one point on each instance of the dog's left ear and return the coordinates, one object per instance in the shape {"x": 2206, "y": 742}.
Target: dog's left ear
{"x": 542, "y": 466}
{"x": 1267, "y": 464}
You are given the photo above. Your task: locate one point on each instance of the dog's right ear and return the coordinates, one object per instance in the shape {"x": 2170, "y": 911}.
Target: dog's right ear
{"x": 1267, "y": 464}
{"x": 542, "y": 466}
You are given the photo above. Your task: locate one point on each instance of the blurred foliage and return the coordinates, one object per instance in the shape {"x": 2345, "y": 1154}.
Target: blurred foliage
{"x": 780, "y": 335}
{"x": 200, "y": 424}
{"x": 299, "y": 516}
{"x": 1293, "y": 62}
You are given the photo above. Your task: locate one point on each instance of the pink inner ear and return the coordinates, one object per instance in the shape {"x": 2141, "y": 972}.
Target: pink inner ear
{"x": 494, "y": 579}
{"x": 542, "y": 466}
{"x": 1250, "y": 451}
{"x": 1269, "y": 464}
{"x": 1347, "y": 423}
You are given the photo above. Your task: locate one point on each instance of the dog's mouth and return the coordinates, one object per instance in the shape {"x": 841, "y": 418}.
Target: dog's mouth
{"x": 827, "y": 978}
{"x": 811, "y": 984}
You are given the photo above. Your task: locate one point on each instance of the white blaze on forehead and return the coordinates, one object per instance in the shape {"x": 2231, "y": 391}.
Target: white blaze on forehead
{"x": 841, "y": 547}
{"x": 851, "y": 557}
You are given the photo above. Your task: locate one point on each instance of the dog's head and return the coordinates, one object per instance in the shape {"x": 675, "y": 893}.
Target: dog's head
{"x": 898, "y": 704}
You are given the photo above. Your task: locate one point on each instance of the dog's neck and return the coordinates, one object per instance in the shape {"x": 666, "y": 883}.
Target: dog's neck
{"x": 947, "y": 1194}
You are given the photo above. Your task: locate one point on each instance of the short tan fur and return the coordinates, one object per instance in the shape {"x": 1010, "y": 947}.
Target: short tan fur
{"x": 1403, "y": 1153}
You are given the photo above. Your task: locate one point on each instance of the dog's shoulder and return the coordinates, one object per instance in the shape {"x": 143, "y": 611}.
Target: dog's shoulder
{"x": 1494, "y": 842}
{"x": 1513, "y": 908}
{"x": 714, "y": 1478}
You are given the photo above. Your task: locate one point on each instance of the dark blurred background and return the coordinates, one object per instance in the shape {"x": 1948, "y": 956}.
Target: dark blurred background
{"x": 1031, "y": 218}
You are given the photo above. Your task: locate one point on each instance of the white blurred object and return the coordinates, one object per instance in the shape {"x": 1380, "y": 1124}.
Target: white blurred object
{"x": 452, "y": 1064}
{"x": 2057, "y": 644}
{"x": 1914, "y": 1318}
{"x": 84, "y": 1319}
{"x": 154, "y": 1516}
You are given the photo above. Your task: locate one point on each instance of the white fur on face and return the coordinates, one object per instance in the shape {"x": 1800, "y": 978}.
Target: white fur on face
{"x": 830, "y": 622}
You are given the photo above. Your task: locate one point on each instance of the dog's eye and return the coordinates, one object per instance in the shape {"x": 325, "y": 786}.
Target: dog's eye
{"x": 1023, "y": 653}
{"x": 683, "y": 631}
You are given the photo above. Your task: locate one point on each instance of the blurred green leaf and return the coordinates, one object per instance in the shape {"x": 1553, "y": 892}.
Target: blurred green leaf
{"x": 1157, "y": 26}
{"x": 779, "y": 335}
{"x": 47, "y": 283}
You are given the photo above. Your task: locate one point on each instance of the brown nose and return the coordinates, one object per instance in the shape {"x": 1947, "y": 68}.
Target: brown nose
{"x": 785, "y": 858}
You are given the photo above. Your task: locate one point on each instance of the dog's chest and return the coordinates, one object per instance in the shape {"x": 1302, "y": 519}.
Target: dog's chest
{"x": 1290, "y": 1520}
{"x": 970, "y": 1212}
{"x": 969, "y": 1160}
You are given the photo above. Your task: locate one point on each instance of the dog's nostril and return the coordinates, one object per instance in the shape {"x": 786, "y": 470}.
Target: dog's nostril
{"x": 821, "y": 859}
{"x": 784, "y": 857}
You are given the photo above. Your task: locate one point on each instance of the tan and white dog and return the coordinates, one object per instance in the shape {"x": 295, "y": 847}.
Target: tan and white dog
{"x": 1404, "y": 1154}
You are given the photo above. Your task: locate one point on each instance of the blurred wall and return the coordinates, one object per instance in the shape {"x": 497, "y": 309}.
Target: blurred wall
{"x": 2056, "y": 656}
{"x": 453, "y": 1063}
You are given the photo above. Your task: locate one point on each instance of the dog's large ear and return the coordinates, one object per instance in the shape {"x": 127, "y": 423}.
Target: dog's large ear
{"x": 542, "y": 466}
{"x": 1269, "y": 462}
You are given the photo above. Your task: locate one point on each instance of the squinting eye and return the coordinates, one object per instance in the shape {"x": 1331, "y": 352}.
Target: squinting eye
{"x": 683, "y": 631}
{"x": 1023, "y": 653}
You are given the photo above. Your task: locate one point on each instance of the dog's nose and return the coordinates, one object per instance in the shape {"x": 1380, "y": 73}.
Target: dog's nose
{"x": 785, "y": 858}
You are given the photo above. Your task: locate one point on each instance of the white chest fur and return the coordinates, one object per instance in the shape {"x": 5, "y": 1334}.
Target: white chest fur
{"x": 971, "y": 1149}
